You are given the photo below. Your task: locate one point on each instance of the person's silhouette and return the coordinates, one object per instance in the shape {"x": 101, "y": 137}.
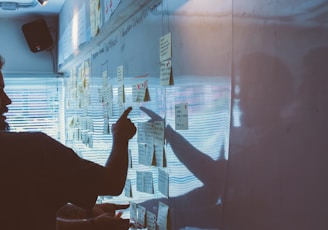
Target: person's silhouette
{"x": 201, "y": 207}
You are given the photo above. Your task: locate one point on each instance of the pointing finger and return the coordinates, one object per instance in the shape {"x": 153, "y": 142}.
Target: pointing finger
{"x": 126, "y": 113}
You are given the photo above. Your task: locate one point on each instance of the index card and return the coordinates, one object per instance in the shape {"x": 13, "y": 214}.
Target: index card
{"x": 160, "y": 158}
{"x": 121, "y": 95}
{"x": 107, "y": 96}
{"x": 142, "y": 154}
{"x": 140, "y": 181}
{"x": 127, "y": 188}
{"x": 149, "y": 133}
{"x": 158, "y": 132}
{"x": 162, "y": 216}
{"x": 140, "y": 92}
{"x": 141, "y": 216}
{"x": 149, "y": 155}
{"x": 120, "y": 76}
{"x": 181, "y": 116}
{"x": 141, "y": 131}
{"x": 163, "y": 182}
{"x": 148, "y": 182}
{"x": 133, "y": 211}
{"x": 151, "y": 221}
{"x": 104, "y": 78}
{"x": 165, "y": 47}
{"x": 166, "y": 76}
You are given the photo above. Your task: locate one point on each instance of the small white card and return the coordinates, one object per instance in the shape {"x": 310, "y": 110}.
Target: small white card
{"x": 127, "y": 188}
{"x": 162, "y": 216}
{"x": 181, "y": 116}
{"x": 120, "y": 75}
{"x": 166, "y": 76}
{"x": 151, "y": 221}
{"x": 133, "y": 211}
{"x": 163, "y": 182}
{"x": 141, "y": 216}
{"x": 165, "y": 47}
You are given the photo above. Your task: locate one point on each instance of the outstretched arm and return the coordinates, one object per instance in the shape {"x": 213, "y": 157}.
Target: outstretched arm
{"x": 190, "y": 156}
{"x": 117, "y": 164}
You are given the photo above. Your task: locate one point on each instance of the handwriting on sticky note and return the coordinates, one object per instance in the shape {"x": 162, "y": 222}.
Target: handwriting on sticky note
{"x": 165, "y": 47}
{"x": 181, "y": 116}
{"x": 166, "y": 77}
{"x": 162, "y": 216}
{"x": 127, "y": 188}
{"x": 120, "y": 76}
{"x": 151, "y": 221}
{"x": 163, "y": 182}
{"x": 158, "y": 131}
{"x": 141, "y": 216}
{"x": 133, "y": 211}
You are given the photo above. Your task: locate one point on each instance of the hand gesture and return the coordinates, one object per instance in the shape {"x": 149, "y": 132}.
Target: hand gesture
{"x": 124, "y": 128}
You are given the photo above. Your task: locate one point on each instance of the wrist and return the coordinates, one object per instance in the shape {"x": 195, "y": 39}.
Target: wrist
{"x": 119, "y": 140}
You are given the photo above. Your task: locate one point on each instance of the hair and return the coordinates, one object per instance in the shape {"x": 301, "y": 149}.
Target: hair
{"x": 2, "y": 62}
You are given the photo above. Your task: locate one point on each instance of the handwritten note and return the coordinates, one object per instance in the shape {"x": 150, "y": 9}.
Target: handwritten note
{"x": 148, "y": 182}
{"x": 133, "y": 211}
{"x": 120, "y": 75}
{"x": 145, "y": 182}
{"x": 104, "y": 78}
{"x": 107, "y": 94}
{"x": 165, "y": 47}
{"x": 151, "y": 221}
{"x": 163, "y": 182}
{"x": 140, "y": 181}
{"x": 162, "y": 216}
{"x": 142, "y": 155}
{"x": 141, "y": 131}
{"x": 160, "y": 158}
{"x": 121, "y": 95}
{"x": 166, "y": 76}
{"x": 158, "y": 132}
{"x": 149, "y": 133}
{"x": 181, "y": 116}
{"x": 128, "y": 188}
{"x": 141, "y": 216}
{"x": 149, "y": 155}
{"x": 140, "y": 92}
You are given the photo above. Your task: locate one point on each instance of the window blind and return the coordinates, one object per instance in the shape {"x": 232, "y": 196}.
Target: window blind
{"x": 37, "y": 104}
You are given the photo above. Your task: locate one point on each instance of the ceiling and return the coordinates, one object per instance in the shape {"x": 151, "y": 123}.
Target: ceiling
{"x": 28, "y": 8}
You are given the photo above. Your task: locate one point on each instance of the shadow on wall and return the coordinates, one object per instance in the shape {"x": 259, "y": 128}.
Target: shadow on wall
{"x": 202, "y": 207}
{"x": 307, "y": 186}
{"x": 257, "y": 147}
{"x": 277, "y": 167}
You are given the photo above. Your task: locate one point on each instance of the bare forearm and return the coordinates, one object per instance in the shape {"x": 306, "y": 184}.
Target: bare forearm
{"x": 116, "y": 168}
{"x": 117, "y": 164}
